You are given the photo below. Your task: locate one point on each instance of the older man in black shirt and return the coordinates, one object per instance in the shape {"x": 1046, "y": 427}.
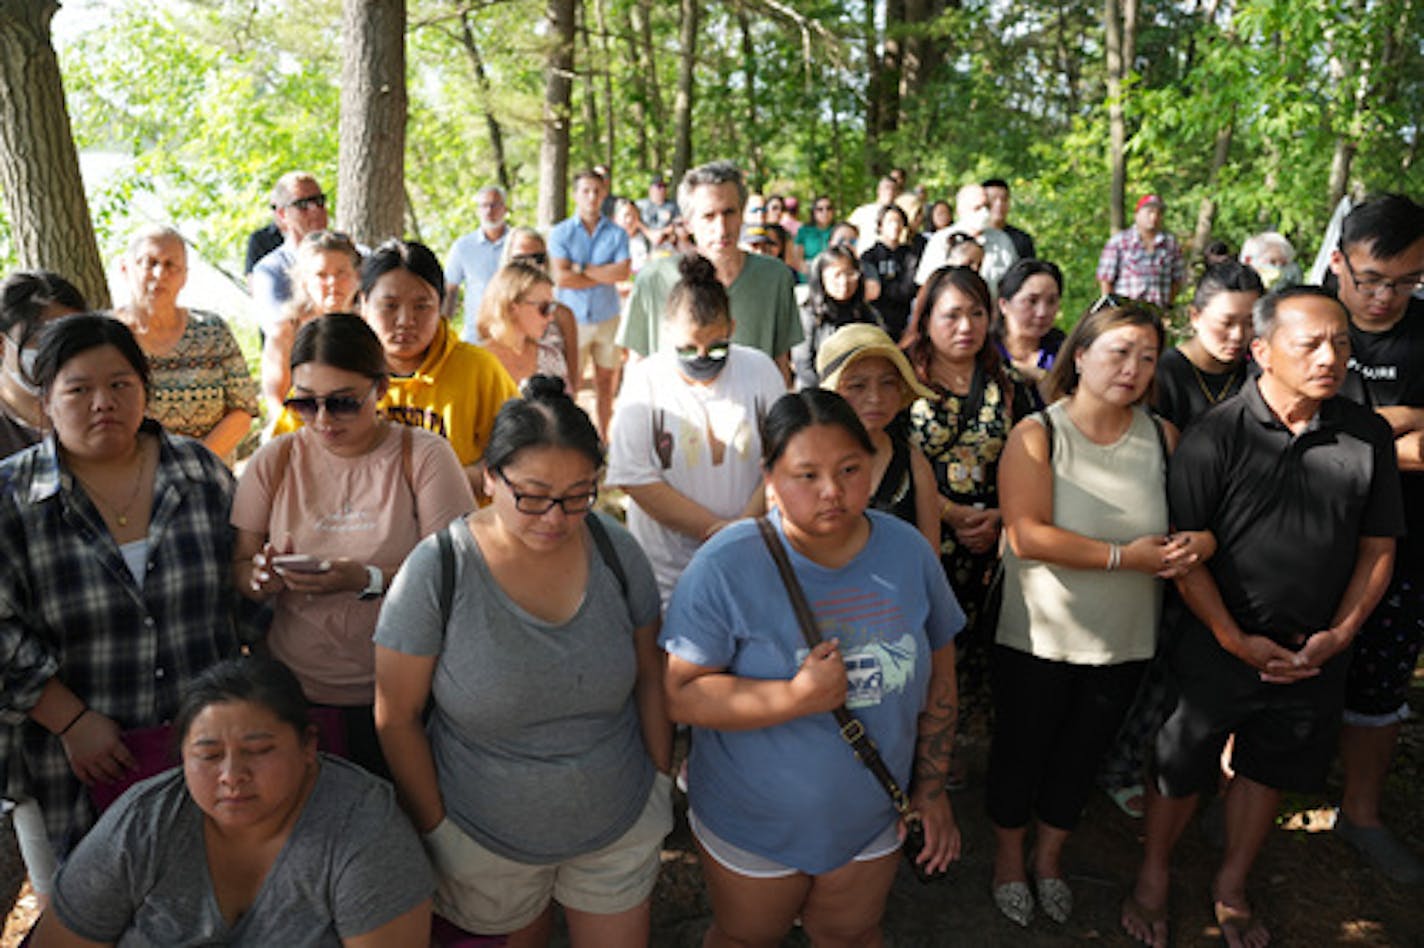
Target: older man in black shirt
{"x": 1301, "y": 490}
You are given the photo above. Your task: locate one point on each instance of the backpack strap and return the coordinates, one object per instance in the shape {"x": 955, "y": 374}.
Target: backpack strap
{"x": 604, "y": 544}
{"x": 1047, "y": 422}
{"x": 284, "y": 460}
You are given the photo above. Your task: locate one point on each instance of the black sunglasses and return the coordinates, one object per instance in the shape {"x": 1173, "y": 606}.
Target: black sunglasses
{"x": 308, "y": 405}
{"x": 306, "y": 203}
{"x": 540, "y": 259}
{"x": 1113, "y": 301}
{"x": 546, "y": 308}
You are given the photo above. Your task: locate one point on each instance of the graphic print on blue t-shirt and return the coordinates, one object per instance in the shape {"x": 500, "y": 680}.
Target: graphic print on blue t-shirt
{"x": 875, "y": 666}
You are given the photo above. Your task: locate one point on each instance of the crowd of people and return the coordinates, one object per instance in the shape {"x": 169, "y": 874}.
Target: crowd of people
{"x": 848, "y": 495}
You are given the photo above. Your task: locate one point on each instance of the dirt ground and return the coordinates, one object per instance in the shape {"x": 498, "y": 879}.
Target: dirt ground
{"x": 1310, "y": 887}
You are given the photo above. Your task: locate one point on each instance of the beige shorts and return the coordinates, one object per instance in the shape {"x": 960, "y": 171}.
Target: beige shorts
{"x": 596, "y": 341}
{"x": 487, "y": 894}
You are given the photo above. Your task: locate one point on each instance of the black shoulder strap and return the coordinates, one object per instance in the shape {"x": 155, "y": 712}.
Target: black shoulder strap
{"x": 446, "y": 541}
{"x": 1161, "y": 440}
{"x": 1047, "y": 422}
{"x": 604, "y": 544}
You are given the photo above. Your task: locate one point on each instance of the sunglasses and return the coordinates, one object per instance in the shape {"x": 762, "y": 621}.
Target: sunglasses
{"x": 546, "y": 308}
{"x": 540, "y": 259}
{"x": 307, "y": 203}
{"x": 1113, "y": 301}
{"x": 717, "y": 350}
{"x": 307, "y": 406}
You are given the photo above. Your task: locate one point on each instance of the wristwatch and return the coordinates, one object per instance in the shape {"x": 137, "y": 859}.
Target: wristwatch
{"x": 375, "y": 583}
{"x": 579, "y": 268}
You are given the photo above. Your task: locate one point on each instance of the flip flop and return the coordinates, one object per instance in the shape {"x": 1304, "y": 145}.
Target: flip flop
{"x": 1144, "y": 916}
{"x": 1015, "y": 901}
{"x": 1239, "y": 922}
{"x": 1123, "y": 797}
{"x": 1055, "y": 898}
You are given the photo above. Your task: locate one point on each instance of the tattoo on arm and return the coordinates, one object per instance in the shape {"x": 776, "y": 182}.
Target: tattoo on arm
{"x": 936, "y": 740}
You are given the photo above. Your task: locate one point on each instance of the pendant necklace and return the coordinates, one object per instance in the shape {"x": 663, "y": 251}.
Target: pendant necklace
{"x": 121, "y": 514}
{"x": 1212, "y": 399}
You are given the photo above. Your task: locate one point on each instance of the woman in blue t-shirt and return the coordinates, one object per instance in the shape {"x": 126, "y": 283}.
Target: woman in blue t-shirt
{"x": 788, "y": 822}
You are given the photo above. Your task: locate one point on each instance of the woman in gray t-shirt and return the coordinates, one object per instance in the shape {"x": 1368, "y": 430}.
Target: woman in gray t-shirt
{"x": 533, "y": 625}
{"x": 256, "y": 840}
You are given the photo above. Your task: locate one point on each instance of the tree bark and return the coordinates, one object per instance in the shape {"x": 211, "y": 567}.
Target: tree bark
{"x": 892, "y": 54}
{"x": 371, "y": 164}
{"x": 589, "y": 95}
{"x": 873, "y": 81}
{"x": 753, "y": 150}
{"x": 682, "y": 105}
{"x": 482, "y": 85}
{"x": 611, "y": 142}
{"x": 1117, "y": 123}
{"x": 39, "y": 168}
{"x": 641, "y": 15}
{"x": 558, "y": 90}
{"x": 1206, "y": 211}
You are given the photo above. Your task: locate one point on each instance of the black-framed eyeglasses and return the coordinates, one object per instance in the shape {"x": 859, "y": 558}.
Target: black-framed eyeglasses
{"x": 546, "y": 308}
{"x": 715, "y": 350}
{"x": 307, "y": 203}
{"x": 540, "y": 504}
{"x": 540, "y": 259}
{"x": 307, "y": 406}
{"x": 1379, "y": 286}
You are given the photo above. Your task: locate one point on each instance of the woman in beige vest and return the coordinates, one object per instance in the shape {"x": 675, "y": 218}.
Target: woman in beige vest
{"x": 1082, "y": 489}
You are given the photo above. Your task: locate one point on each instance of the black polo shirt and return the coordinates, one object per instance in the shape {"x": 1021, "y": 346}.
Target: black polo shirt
{"x": 1288, "y": 512}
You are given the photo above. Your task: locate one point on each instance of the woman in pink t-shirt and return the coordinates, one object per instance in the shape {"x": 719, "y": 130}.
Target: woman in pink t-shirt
{"x": 326, "y": 515}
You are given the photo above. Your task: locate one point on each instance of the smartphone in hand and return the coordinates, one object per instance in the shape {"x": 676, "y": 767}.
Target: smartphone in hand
{"x": 300, "y": 563}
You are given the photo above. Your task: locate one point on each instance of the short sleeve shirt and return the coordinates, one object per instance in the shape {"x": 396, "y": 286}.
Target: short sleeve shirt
{"x": 570, "y": 240}
{"x": 1140, "y": 271}
{"x": 762, "y": 297}
{"x": 202, "y": 379}
{"x": 472, "y": 262}
{"x": 351, "y": 864}
{"x": 794, "y": 792}
{"x": 1287, "y": 510}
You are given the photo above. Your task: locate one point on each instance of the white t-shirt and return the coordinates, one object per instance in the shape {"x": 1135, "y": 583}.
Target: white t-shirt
{"x": 660, "y": 432}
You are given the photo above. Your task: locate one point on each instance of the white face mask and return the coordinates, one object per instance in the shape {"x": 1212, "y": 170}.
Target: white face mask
{"x": 27, "y": 372}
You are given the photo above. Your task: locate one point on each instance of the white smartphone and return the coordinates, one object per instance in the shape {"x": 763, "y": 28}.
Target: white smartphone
{"x": 300, "y": 563}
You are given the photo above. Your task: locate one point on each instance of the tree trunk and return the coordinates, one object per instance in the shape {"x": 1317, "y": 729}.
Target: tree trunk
{"x": 753, "y": 150}
{"x": 637, "y": 74}
{"x": 1117, "y": 124}
{"x": 890, "y": 103}
{"x": 682, "y": 105}
{"x": 642, "y": 18}
{"x": 912, "y": 59}
{"x": 1206, "y": 212}
{"x": 558, "y": 90}
{"x": 1340, "y": 162}
{"x": 371, "y": 164}
{"x": 873, "y": 81}
{"x": 39, "y": 169}
{"x": 588, "y": 94}
{"x": 608, "y": 111}
{"x": 482, "y": 85}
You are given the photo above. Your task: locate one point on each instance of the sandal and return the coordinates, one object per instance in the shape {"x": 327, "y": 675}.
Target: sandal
{"x": 1015, "y": 901}
{"x": 1055, "y": 898}
{"x": 1383, "y": 849}
{"x": 1124, "y": 797}
{"x": 1239, "y": 923}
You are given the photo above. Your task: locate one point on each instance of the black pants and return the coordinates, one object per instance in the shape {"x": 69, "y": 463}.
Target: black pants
{"x": 1052, "y": 723}
{"x": 358, "y": 732}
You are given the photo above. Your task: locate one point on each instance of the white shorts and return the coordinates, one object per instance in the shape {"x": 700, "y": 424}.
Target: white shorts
{"x": 735, "y": 859}
{"x": 485, "y": 893}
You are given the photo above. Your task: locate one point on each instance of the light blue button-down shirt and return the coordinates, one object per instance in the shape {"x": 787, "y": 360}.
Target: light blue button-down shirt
{"x": 570, "y": 240}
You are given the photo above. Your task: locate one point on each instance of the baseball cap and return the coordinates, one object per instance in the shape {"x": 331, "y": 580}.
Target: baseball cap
{"x": 1147, "y": 199}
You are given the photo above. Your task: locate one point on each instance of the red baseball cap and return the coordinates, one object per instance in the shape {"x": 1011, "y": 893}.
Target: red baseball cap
{"x": 1147, "y": 199}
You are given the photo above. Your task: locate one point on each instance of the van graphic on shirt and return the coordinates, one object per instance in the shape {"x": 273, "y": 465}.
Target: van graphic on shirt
{"x": 875, "y": 670}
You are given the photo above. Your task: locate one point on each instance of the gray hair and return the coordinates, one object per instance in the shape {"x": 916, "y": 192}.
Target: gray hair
{"x": 1257, "y": 245}
{"x": 286, "y": 186}
{"x": 713, "y": 173}
{"x": 156, "y": 233}
{"x": 1264, "y": 313}
{"x": 492, "y": 189}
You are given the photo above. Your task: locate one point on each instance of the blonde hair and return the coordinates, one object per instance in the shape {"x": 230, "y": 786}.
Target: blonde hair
{"x": 516, "y": 235}
{"x": 301, "y": 306}
{"x": 506, "y": 288}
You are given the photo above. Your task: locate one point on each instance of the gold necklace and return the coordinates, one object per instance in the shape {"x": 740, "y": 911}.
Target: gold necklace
{"x": 121, "y": 514}
{"x": 1201, "y": 382}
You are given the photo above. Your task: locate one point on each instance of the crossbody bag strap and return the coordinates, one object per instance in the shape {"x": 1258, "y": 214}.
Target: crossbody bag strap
{"x": 852, "y": 731}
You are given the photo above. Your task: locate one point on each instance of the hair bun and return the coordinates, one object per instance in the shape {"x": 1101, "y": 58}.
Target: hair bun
{"x": 542, "y": 387}
{"x": 697, "y": 269}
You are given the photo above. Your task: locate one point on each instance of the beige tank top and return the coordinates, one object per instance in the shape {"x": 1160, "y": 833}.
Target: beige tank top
{"x": 1114, "y": 492}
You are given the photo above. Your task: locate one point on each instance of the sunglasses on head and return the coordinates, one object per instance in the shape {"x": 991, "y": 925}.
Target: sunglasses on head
{"x": 307, "y": 406}
{"x": 306, "y": 203}
{"x": 540, "y": 259}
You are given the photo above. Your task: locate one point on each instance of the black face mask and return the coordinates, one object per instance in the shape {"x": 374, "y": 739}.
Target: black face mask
{"x": 703, "y": 368}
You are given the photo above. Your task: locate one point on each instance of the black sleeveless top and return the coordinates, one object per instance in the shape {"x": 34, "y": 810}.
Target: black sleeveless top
{"x": 896, "y": 491}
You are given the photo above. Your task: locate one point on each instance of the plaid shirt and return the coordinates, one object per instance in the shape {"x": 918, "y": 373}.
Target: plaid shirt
{"x": 70, "y": 608}
{"x": 1141, "y": 272}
